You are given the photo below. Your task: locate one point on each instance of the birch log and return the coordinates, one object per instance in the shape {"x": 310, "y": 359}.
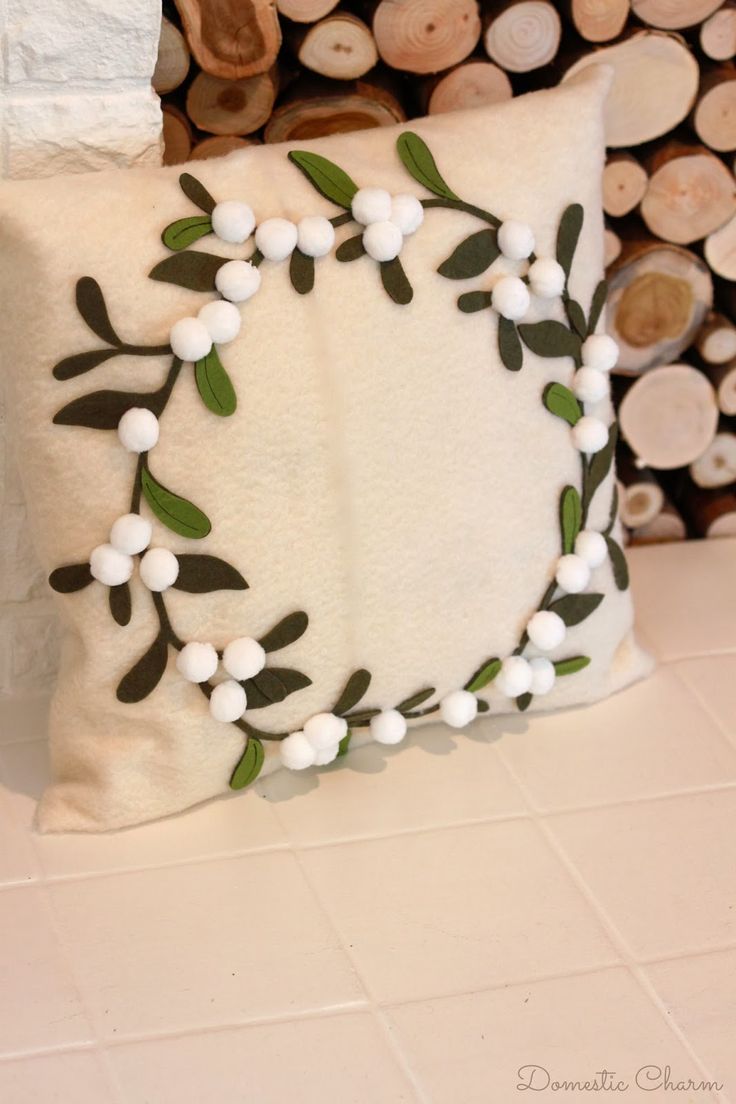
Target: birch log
{"x": 305, "y": 11}
{"x": 523, "y": 35}
{"x": 720, "y": 250}
{"x": 714, "y": 117}
{"x": 172, "y": 63}
{"x": 641, "y": 498}
{"x": 624, "y": 184}
{"x": 340, "y": 46}
{"x": 690, "y": 193}
{"x": 426, "y": 36}
{"x": 718, "y": 33}
{"x": 673, "y": 15}
{"x": 668, "y": 417}
{"x": 668, "y": 525}
{"x": 313, "y": 109}
{"x": 599, "y": 20}
{"x": 716, "y": 341}
{"x": 723, "y": 378}
{"x": 472, "y": 83}
{"x": 716, "y": 467}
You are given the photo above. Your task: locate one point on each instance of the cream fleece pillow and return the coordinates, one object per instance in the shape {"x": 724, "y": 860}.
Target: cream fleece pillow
{"x": 317, "y": 443}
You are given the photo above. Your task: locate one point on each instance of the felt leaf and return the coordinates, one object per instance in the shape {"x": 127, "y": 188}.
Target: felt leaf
{"x": 91, "y": 306}
{"x": 343, "y": 746}
{"x": 176, "y": 513}
{"x": 509, "y": 346}
{"x": 197, "y": 192}
{"x": 273, "y": 684}
{"x": 184, "y": 232}
{"x": 195, "y": 270}
{"x": 483, "y": 706}
{"x": 561, "y": 402}
{"x": 576, "y": 317}
{"x": 599, "y": 467}
{"x": 420, "y": 163}
{"x": 395, "y": 281}
{"x": 80, "y": 363}
{"x": 103, "y": 409}
{"x": 484, "y": 675}
{"x": 289, "y": 629}
{"x": 248, "y": 766}
{"x": 350, "y": 249}
{"x": 145, "y": 675}
{"x": 301, "y": 272}
{"x": 571, "y": 516}
{"x": 214, "y": 385}
{"x": 362, "y": 716}
{"x": 523, "y": 702}
{"x": 416, "y": 700}
{"x": 71, "y": 577}
{"x": 120, "y": 603}
{"x": 549, "y": 339}
{"x": 618, "y": 564}
{"x": 572, "y": 665}
{"x": 355, "y": 688}
{"x": 613, "y": 512}
{"x": 201, "y": 574}
{"x": 574, "y": 608}
{"x": 471, "y": 301}
{"x": 329, "y": 179}
{"x": 568, "y": 233}
{"x": 597, "y": 304}
{"x": 471, "y": 257}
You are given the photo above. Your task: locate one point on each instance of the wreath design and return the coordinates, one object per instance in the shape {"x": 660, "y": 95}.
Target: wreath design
{"x": 383, "y": 222}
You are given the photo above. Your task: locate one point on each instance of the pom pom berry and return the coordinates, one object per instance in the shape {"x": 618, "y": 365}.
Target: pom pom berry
{"x": 243, "y": 658}
{"x": 388, "y": 727}
{"x": 371, "y": 205}
{"x": 233, "y": 221}
{"x": 237, "y": 280}
{"x": 573, "y": 573}
{"x": 510, "y": 297}
{"x": 543, "y": 675}
{"x": 138, "y": 429}
{"x": 382, "y": 241}
{"x": 515, "y": 676}
{"x": 459, "y": 708}
{"x": 515, "y": 240}
{"x": 315, "y": 236}
{"x": 228, "y": 701}
{"x": 159, "y": 569}
{"x": 546, "y": 278}
{"x": 197, "y": 662}
{"x": 407, "y": 213}
{"x": 109, "y": 566}
{"x": 276, "y": 238}
{"x": 591, "y": 547}
{"x": 590, "y": 385}
{"x": 222, "y": 320}
{"x": 599, "y": 351}
{"x": 131, "y": 533}
{"x": 325, "y": 730}
{"x": 296, "y": 752}
{"x": 546, "y": 630}
{"x": 589, "y": 434}
{"x": 190, "y": 339}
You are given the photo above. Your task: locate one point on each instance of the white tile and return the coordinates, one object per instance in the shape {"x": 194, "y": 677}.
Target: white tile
{"x": 456, "y": 909}
{"x": 40, "y": 1005}
{"x": 501, "y": 1045}
{"x": 183, "y": 947}
{"x": 713, "y": 680}
{"x": 664, "y": 871}
{"x": 71, "y": 1077}
{"x": 654, "y": 738}
{"x": 23, "y": 718}
{"x": 17, "y": 860}
{"x": 312, "y": 1061}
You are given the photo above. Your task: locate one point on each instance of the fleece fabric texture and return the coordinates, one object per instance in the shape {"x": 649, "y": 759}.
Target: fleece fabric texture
{"x": 382, "y": 471}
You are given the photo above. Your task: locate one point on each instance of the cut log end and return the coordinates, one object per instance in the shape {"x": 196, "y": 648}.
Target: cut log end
{"x": 711, "y": 513}
{"x": 718, "y": 34}
{"x": 232, "y": 40}
{"x": 219, "y": 146}
{"x": 340, "y": 46}
{"x": 673, "y": 15}
{"x": 231, "y": 107}
{"x": 177, "y": 135}
{"x": 624, "y": 184}
{"x": 305, "y": 11}
{"x": 717, "y": 465}
{"x": 426, "y": 36}
{"x": 317, "y": 116}
{"x": 668, "y": 525}
{"x": 716, "y": 341}
{"x": 720, "y": 250}
{"x": 172, "y": 63}
{"x": 470, "y": 84}
{"x": 669, "y": 416}
{"x": 524, "y": 36}
{"x": 714, "y": 118}
{"x": 689, "y": 195}
{"x": 599, "y": 20}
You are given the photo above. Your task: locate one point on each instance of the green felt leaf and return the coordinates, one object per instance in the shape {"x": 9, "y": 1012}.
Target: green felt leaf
{"x": 214, "y": 385}
{"x": 71, "y": 577}
{"x": 618, "y": 564}
{"x": 568, "y": 233}
{"x": 471, "y": 257}
{"x": 523, "y": 702}
{"x": 301, "y": 272}
{"x": 420, "y": 163}
{"x": 104, "y": 409}
{"x": 329, "y": 179}
{"x": 613, "y": 514}
{"x": 248, "y": 766}
{"x": 484, "y": 675}
{"x": 350, "y": 249}
{"x": 395, "y": 282}
{"x": 194, "y": 270}
{"x": 576, "y": 317}
{"x": 599, "y": 467}
{"x": 273, "y": 684}
{"x": 572, "y": 665}
{"x": 509, "y": 346}
{"x": 483, "y": 706}
{"x": 145, "y": 675}
{"x": 80, "y": 363}
{"x": 120, "y": 603}
{"x": 574, "y": 608}
{"x": 178, "y": 235}
{"x": 289, "y": 629}
{"x": 355, "y": 688}
{"x": 571, "y": 516}
{"x": 561, "y": 402}
{"x": 197, "y": 192}
{"x": 91, "y": 306}
{"x": 549, "y": 339}
{"x": 201, "y": 574}
{"x": 597, "y": 304}
{"x": 416, "y": 700}
{"x": 176, "y": 513}
{"x": 471, "y": 301}
{"x": 343, "y": 746}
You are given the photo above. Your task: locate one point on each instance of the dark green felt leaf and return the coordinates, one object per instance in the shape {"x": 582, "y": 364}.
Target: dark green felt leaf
{"x": 574, "y": 608}
{"x": 395, "y": 282}
{"x": 197, "y": 192}
{"x": 600, "y": 465}
{"x": 571, "y": 516}
{"x": 289, "y": 629}
{"x": 301, "y": 272}
{"x": 576, "y": 317}
{"x": 80, "y": 363}
{"x": 200, "y": 574}
{"x": 613, "y": 512}
{"x": 523, "y": 702}
{"x": 248, "y": 766}
{"x": 549, "y": 339}
{"x": 71, "y": 577}
{"x": 509, "y": 346}
{"x": 329, "y": 179}
{"x": 273, "y": 684}
{"x": 350, "y": 249}
{"x": 618, "y": 564}
{"x": 568, "y": 233}
{"x": 484, "y": 675}
{"x": 355, "y": 688}
{"x": 214, "y": 385}
{"x": 471, "y": 257}
{"x": 343, "y": 746}
{"x": 145, "y": 675}
{"x": 91, "y": 306}
{"x": 597, "y": 304}
{"x": 176, "y": 513}
{"x": 184, "y": 232}
{"x": 120, "y": 603}
{"x": 483, "y": 706}
{"x": 471, "y": 301}
{"x": 561, "y": 402}
{"x": 194, "y": 270}
{"x": 416, "y": 700}
{"x": 104, "y": 409}
{"x": 420, "y": 163}
{"x": 572, "y": 665}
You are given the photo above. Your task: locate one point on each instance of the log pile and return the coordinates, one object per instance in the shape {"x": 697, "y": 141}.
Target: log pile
{"x": 232, "y": 73}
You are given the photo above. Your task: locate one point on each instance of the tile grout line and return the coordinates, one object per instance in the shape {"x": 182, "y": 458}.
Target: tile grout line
{"x": 729, "y": 736}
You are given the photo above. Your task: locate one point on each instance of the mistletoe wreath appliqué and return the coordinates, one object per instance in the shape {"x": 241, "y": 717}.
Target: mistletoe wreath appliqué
{"x": 237, "y": 680}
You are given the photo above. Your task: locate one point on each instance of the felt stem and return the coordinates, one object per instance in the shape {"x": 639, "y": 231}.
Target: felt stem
{"x": 145, "y": 350}
{"x": 461, "y": 205}
{"x": 342, "y": 220}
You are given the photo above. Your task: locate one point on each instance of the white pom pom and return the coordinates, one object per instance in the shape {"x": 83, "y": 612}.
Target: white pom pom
{"x": 515, "y": 676}
{"x": 243, "y": 658}
{"x": 510, "y": 297}
{"x": 197, "y": 662}
{"x": 228, "y": 701}
{"x": 590, "y": 385}
{"x": 276, "y": 238}
{"x": 589, "y": 434}
{"x": 599, "y": 351}
{"x": 237, "y": 280}
{"x": 109, "y": 566}
{"x": 546, "y": 278}
{"x": 296, "y": 752}
{"x": 458, "y": 708}
{"x": 382, "y": 241}
{"x": 131, "y": 533}
{"x": 407, "y": 213}
{"x": 326, "y": 755}
{"x": 315, "y": 236}
{"x": 138, "y": 429}
{"x": 222, "y": 320}
{"x": 515, "y": 240}
{"x": 543, "y": 675}
{"x": 546, "y": 630}
{"x": 388, "y": 727}
{"x": 324, "y": 730}
{"x": 371, "y": 205}
{"x": 190, "y": 339}
{"x": 159, "y": 569}
{"x": 573, "y": 573}
{"x": 233, "y": 221}
{"x": 591, "y": 547}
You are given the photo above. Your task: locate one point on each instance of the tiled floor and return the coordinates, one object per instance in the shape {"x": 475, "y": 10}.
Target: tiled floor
{"x": 454, "y": 922}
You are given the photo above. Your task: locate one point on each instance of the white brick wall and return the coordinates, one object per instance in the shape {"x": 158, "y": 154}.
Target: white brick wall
{"x": 75, "y": 96}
